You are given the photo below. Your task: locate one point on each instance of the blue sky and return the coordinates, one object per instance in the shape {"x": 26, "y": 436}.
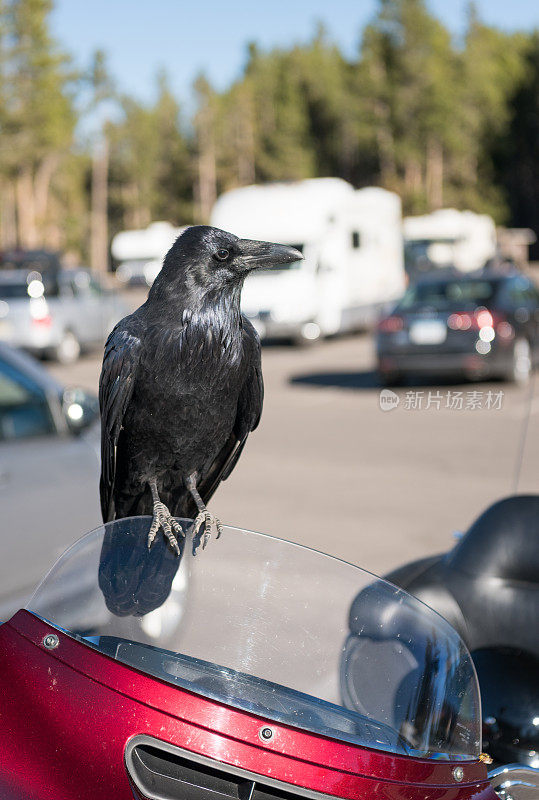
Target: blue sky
{"x": 142, "y": 36}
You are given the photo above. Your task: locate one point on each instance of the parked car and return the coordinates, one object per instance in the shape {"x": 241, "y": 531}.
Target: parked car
{"x": 56, "y": 316}
{"x": 49, "y": 472}
{"x": 479, "y": 325}
{"x": 46, "y": 262}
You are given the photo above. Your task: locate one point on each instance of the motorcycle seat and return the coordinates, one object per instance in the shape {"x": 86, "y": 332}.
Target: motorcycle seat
{"x": 502, "y": 543}
{"x": 487, "y": 587}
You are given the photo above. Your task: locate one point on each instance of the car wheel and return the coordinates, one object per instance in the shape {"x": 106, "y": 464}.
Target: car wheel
{"x": 310, "y": 333}
{"x": 68, "y": 348}
{"x": 521, "y": 362}
{"x": 390, "y": 379}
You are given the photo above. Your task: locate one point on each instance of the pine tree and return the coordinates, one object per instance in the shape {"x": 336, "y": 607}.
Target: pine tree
{"x": 410, "y": 71}
{"x": 39, "y": 114}
{"x": 515, "y": 150}
{"x": 173, "y": 168}
{"x": 492, "y": 65}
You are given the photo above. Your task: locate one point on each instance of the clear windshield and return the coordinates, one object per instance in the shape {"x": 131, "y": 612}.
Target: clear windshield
{"x": 14, "y": 291}
{"x": 273, "y": 628}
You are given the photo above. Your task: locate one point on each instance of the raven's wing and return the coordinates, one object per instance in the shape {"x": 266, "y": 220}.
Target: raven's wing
{"x": 120, "y": 362}
{"x": 248, "y": 415}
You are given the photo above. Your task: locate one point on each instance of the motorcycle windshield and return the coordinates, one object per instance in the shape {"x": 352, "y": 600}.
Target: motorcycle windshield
{"x": 275, "y": 629}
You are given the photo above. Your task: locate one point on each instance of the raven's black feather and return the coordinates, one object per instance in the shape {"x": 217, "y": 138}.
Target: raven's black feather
{"x": 181, "y": 385}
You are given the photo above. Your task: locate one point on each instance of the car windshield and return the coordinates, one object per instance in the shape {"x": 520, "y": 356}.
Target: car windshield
{"x": 14, "y": 291}
{"x": 275, "y": 629}
{"x": 442, "y": 295}
{"x": 30, "y": 260}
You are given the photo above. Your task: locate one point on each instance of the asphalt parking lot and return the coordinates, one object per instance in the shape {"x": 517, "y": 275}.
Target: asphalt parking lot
{"x": 329, "y": 468}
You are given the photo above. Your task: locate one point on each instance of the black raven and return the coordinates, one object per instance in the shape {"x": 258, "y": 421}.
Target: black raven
{"x": 181, "y": 384}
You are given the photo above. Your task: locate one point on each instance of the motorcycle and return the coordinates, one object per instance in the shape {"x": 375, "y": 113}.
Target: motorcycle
{"x": 487, "y": 587}
{"x": 256, "y": 669}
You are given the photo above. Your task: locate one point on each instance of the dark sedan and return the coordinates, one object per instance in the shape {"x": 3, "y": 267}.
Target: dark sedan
{"x": 49, "y": 472}
{"x": 477, "y": 326}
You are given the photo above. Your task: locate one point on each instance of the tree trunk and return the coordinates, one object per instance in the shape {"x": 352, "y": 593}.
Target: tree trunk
{"x": 26, "y": 213}
{"x": 347, "y": 150}
{"x": 207, "y": 191}
{"x": 143, "y": 215}
{"x": 434, "y": 174}
{"x": 413, "y": 179}
{"x": 42, "y": 182}
{"x": 386, "y": 145}
{"x": 245, "y": 141}
{"x": 55, "y": 231}
{"x": 99, "y": 244}
{"x": 136, "y": 215}
{"x": 8, "y": 216}
{"x": 207, "y": 168}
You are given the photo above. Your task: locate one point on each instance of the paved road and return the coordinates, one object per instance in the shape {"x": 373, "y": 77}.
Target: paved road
{"x": 328, "y": 468}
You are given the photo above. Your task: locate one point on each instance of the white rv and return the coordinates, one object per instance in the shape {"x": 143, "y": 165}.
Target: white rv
{"x": 351, "y": 242}
{"x": 141, "y": 252}
{"x": 448, "y": 238}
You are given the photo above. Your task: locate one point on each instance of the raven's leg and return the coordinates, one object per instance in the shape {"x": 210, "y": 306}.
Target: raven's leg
{"x": 204, "y": 517}
{"x": 162, "y": 518}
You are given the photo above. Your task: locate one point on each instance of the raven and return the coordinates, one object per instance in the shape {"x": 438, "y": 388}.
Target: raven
{"x": 181, "y": 384}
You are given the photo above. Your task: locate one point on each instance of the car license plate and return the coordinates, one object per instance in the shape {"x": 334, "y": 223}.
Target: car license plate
{"x": 428, "y": 331}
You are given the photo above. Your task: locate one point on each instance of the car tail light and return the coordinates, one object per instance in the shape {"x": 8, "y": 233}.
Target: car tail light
{"x": 391, "y": 324}
{"x": 43, "y": 322}
{"x": 478, "y": 320}
{"x": 484, "y": 318}
{"x": 460, "y": 322}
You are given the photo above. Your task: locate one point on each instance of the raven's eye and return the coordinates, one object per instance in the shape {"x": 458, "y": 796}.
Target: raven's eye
{"x": 222, "y": 254}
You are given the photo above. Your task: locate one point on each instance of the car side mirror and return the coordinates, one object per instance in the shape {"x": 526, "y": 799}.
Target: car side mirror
{"x": 81, "y": 409}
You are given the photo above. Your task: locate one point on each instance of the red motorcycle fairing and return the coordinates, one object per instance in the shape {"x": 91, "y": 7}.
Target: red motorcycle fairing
{"x": 67, "y": 715}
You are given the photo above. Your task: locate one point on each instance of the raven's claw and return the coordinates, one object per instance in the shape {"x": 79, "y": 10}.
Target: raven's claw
{"x": 208, "y": 520}
{"x": 162, "y": 518}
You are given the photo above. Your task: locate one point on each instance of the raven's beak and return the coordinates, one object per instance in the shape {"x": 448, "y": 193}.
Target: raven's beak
{"x": 256, "y": 255}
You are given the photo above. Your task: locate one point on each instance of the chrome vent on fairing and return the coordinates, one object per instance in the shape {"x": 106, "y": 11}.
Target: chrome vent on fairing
{"x": 161, "y": 771}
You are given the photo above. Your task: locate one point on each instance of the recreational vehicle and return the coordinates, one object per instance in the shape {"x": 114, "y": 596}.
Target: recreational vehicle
{"x": 351, "y": 242}
{"x": 448, "y": 238}
{"x": 141, "y": 252}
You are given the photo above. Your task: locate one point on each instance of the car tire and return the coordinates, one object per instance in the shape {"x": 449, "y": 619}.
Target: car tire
{"x": 310, "y": 334}
{"x": 68, "y": 349}
{"x": 521, "y": 363}
{"x": 390, "y": 379}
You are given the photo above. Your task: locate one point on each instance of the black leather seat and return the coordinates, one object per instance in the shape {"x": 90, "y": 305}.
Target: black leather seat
{"x": 487, "y": 587}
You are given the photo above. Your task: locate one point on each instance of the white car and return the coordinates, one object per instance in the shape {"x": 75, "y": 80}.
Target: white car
{"x": 56, "y": 315}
